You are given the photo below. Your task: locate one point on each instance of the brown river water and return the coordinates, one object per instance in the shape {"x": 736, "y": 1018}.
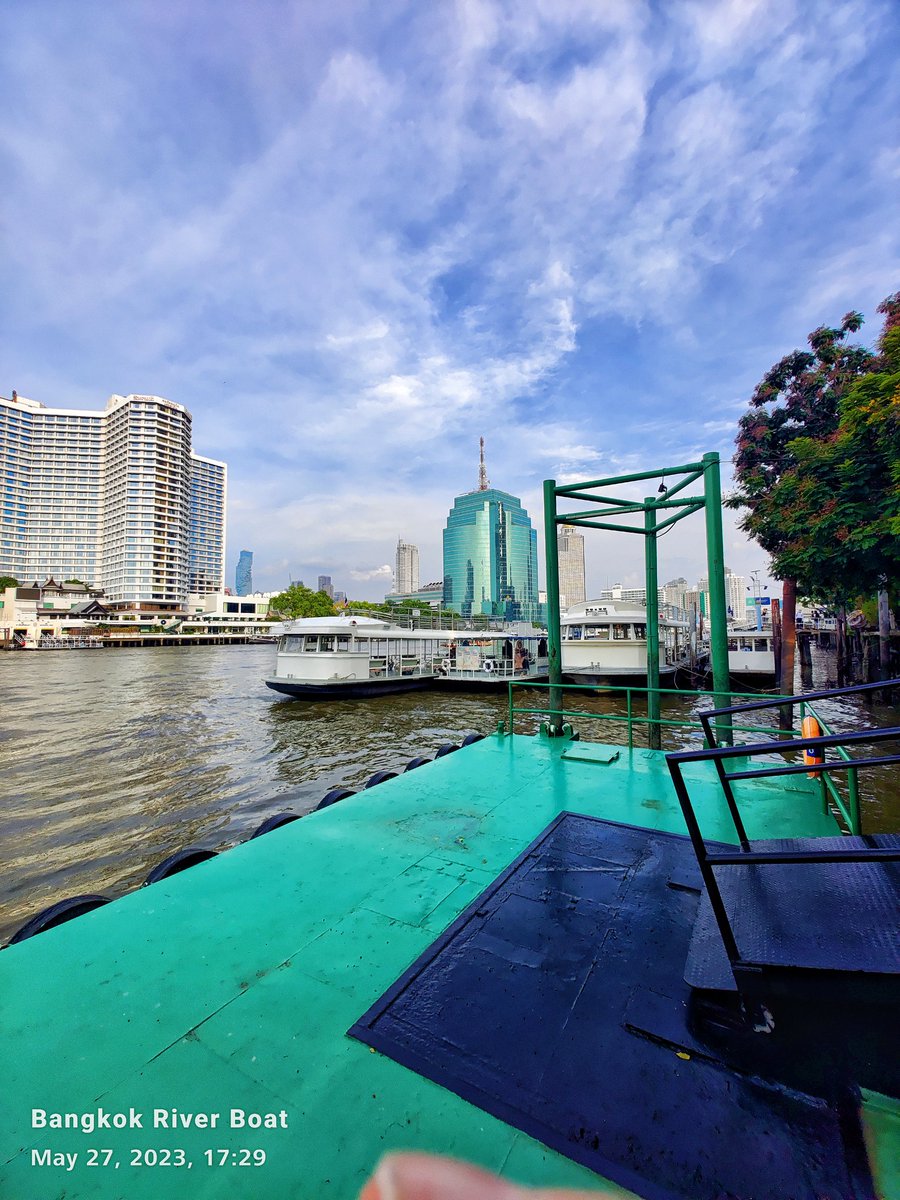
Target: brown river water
{"x": 110, "y": 760}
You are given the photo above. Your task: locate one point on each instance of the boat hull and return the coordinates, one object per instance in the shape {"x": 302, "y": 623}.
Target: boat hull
{"x": 349, "y": 690}
{"x": 597, "y": 676}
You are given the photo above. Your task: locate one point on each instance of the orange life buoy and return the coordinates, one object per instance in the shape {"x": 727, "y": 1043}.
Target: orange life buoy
{"x": 810, "y": 728}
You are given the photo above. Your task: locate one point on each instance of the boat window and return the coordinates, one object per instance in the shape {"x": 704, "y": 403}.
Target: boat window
{"x": 343, "y": 643}
{"x": 600, "y": 632}
{"x": 640, "y": 631}
{"x": 575, "y": 633}
{"x": 620, "y": 633}
{"x": 311, "y": 644}
{"x": 732, "y": 643}
{"x": 292, "y": 644}
{"x": 748, "y": 643}
{"x": 326, "y": 643}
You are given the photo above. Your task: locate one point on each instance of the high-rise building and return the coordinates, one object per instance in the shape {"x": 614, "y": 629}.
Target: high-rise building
{"x": 243, "y": 576}
{"x": 115, "y": 498}
{"x": 490, "y": 555}
{"x": 570, "y": 549}
{"x": 735, "y": 594}
{"x": 325, "y": 586}
{"x": 406, "y": 569}
{"x": 206, "y": 559}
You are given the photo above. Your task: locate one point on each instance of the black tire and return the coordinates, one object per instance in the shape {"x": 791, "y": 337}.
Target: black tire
{"x": 416, "y": 762}
{"x": 58, "y": 914}
{"x": 274, "y": 822}
{"x": 332, "y": 797}
{"x": 447, "y": 748}
{"x": 470, "y": 738}
{"x": 181, "y": 860}
{"x": 380, "y": 777}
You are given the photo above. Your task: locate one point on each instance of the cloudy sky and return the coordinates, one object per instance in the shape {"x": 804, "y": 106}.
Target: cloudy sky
{"x": 352, "y": 237}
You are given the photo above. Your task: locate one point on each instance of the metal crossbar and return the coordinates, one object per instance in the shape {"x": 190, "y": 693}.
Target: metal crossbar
{"x": 707, "y": 861}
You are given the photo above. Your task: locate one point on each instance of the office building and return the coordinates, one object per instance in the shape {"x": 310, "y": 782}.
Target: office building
{"x": 490, "y": 555}
{"x": 570, "y": 550}
{"x": 406, "y": 568}
{"x": 325, "y": 586}
{"x": 243, "y": 575}
{"x": 116, "y": 499}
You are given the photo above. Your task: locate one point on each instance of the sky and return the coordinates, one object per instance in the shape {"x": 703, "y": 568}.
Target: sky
{"x": 352, "y": 238}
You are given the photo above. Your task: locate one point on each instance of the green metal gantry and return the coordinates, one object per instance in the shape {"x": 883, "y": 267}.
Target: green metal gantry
{"x": 651, "y": 507}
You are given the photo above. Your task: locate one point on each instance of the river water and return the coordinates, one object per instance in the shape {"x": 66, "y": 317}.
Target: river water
{"x": 110, "y": 760}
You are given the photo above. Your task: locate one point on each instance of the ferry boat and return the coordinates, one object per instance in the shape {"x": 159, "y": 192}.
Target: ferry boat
{"x": 751, "y": 657}
{"x": 350, "y": 657}
{"x": 488, "y": 661}
{"x": 605, "y": 641}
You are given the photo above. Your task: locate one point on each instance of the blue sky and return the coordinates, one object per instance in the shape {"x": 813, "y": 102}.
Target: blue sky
{"x": 354, "y": 237}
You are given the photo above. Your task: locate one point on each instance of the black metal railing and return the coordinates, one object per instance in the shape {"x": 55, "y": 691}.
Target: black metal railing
{"x": 708, "y": 860}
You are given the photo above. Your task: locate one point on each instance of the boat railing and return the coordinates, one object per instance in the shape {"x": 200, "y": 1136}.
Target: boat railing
{"x": 632, "y": 717}
{"x": 859, "y": 850}
{"x": 847, "y": 805}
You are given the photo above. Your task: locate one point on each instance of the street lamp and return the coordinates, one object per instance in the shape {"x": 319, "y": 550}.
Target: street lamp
{"x": 757, "y": 598}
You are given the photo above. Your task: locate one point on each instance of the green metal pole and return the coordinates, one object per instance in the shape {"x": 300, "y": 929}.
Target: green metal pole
{"x": 553, "y": 622}
{"x": 654, "y": 733}
{"x": 718, "y": 608}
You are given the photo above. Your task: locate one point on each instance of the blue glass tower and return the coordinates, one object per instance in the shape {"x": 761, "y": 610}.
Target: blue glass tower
{"x": 490, "y": 555}
{"x": 243, "y": 576}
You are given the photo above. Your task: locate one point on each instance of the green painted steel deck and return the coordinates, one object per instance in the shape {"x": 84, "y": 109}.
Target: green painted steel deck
{"x": 232, "y": 985}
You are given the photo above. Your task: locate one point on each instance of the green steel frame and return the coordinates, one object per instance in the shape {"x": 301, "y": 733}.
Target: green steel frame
{"x": 612, "y": 506}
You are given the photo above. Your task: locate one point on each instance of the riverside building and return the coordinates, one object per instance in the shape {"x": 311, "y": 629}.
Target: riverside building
{"x": 570, "y": 550}
{"x": 490, "y": 555}
{"x": 406, "y": 568}
{"x": 116, "y": 499}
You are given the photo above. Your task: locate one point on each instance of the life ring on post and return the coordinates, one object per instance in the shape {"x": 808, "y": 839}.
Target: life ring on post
{"x": 810, "y": 728}
{"x": 446, "y": 664}
{"x": 489, "y": 665}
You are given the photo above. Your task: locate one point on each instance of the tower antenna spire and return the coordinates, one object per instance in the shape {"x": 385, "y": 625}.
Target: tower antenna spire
{"x": 483, "y": 481}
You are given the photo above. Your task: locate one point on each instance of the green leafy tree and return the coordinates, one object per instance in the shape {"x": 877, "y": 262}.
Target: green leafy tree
{"x": 838, "y": 501}
{"x": 299, "y": 601}
{"x": 797, "y": 399}
{"x": 7, "y": 581}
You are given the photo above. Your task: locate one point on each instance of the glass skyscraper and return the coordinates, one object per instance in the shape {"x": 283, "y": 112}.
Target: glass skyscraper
{"x": 243, "y": 576}
{"x": 490, "y": 557}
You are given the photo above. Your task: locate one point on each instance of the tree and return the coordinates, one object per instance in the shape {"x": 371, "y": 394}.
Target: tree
{"x": 839, "y": 503}
{"x": 798, "y": 398}
{"x": 7, "y": 581}
{"x": 299, "y": 601}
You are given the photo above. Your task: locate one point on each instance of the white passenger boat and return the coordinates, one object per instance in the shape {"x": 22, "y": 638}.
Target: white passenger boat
{"x": 340, "y": 657}
{"x": 605, "y": 641}
{"x": 751, "y": 656}
{"x": 485, "y": 661}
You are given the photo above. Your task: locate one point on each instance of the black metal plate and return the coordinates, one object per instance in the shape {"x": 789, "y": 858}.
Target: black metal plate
{"x": 530, "y": 1005}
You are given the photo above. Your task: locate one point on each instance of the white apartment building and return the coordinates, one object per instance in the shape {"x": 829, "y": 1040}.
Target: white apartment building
{"x": 115, "y": 498}
{"x": 406, "y": 569}
{"x": 570, "y": 551}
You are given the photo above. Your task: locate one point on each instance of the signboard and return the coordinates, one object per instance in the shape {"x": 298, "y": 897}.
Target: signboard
{"x": 753, "y": 601}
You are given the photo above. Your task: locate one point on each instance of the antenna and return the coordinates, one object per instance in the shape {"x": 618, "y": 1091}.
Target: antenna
{"x": 483, "y": 481}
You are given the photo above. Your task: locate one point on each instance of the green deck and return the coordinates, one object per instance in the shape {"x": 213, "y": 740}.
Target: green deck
{"x": 232, "y": 985}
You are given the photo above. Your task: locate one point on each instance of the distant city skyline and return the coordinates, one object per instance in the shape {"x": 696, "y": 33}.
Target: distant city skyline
{"x": 351, "y": 239}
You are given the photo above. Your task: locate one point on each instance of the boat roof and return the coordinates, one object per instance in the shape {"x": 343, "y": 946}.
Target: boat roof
{"x": 601, "y": 611}
{"x": 376, "y": 625}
